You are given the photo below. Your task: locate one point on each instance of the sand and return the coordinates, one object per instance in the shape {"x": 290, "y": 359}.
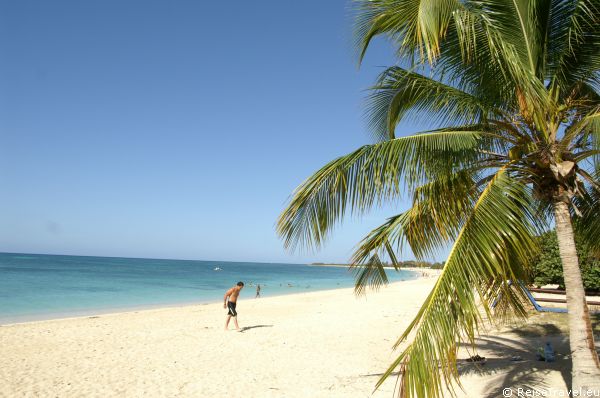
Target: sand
{"x": 319, "y": 344}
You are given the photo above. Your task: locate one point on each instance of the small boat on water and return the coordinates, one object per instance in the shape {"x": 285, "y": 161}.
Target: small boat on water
{"x": 217, "y": 269}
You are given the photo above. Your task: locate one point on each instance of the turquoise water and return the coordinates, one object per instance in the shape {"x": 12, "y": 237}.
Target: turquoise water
{"x": 35, "y": 286}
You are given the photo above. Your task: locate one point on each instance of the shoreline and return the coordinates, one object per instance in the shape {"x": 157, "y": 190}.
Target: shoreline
{"x": 94, "y": 313}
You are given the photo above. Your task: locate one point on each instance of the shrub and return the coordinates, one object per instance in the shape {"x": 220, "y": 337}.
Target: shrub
{"x": 547, "y": 267}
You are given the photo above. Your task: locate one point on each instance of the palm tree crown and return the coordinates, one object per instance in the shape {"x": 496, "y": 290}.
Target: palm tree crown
{"x": 513, "y": 88}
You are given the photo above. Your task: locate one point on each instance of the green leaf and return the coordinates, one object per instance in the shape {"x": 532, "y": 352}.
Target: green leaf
{"x": 370, "y": 176}
{"x": 494, "y": 245}
{"x": 439, "y": 209}
{"x": 399, "y": 91}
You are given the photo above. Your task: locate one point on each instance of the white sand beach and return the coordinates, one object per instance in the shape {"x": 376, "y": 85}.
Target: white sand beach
{"x": 320, "y": 344}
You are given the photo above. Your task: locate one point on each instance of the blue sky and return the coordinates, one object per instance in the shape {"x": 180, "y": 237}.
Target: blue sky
{"x": 174, "y": 129}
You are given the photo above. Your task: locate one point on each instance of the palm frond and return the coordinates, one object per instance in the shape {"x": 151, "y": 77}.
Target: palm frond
{"x": 588, "y": 224}
{"x": 516, "y": 25}
{"x": 399, "y": 91}
{"x": 472, "y": 61}
{"x": 371, "y": 273}
{"x": 439, "y": 209}
{"x": 415, "y": 25}
{"x": 486, "y": 44}
{"x": 574, "y": 54}
{"x": 579, "y": 131}
{"x": 592, "y": 129}
{"x": 493, "y": 246}
{"x": 370, "y": 176}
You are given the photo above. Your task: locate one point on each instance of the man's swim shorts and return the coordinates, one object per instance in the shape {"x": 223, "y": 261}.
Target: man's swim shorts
{"x": 231, "y": 306}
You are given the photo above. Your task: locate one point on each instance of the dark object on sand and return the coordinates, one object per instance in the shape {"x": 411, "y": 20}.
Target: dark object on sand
{"x": 539, "y": 355}
{"x": 476, "y": 358}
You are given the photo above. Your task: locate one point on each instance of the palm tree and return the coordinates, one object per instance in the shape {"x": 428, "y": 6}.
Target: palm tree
{"x": 512, "y": 88}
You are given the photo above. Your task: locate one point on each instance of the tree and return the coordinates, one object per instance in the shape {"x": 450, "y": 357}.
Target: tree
{"x": 512, "y": 88}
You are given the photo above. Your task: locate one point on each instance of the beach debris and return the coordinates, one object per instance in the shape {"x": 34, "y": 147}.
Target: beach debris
{"x": 539, "y": 354}
{"x": 516, "y": 358}
{"x": 476, "y": 358}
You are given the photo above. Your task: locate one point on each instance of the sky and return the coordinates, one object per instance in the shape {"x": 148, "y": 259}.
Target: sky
{"x": 165, "y": 129}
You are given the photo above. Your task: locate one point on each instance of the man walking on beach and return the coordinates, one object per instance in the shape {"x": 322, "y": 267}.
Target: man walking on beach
{"x": 230, "y": 301}
{"x": 257, "y": 291}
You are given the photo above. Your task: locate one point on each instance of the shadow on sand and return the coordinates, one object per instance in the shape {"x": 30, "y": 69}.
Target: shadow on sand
{"x": 528, "y": 372}
{"x": 242, "y": 330}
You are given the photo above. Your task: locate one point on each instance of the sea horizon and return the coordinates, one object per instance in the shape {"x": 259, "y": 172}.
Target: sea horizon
{"x": 36, "y": 287}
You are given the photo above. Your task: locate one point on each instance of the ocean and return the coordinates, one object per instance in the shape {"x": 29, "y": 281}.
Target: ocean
{"x": 36, "y": 286}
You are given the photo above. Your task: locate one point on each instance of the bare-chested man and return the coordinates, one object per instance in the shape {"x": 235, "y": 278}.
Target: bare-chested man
{"x": 229, "y": 301}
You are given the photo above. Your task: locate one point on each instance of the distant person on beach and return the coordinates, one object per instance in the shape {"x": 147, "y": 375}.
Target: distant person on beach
{"x": 230, "y": 301}
{"x": 257, "y": 291}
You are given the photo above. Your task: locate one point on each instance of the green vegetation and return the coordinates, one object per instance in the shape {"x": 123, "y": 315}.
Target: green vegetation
{"x": 416, "y": 264}
{"x": 512, "y": 90}
{"x": 547, "y": 267}
{"x": 401, "y": 264}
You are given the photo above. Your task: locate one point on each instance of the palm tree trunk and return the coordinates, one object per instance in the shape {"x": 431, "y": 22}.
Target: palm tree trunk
{"x": 586, "y": 367}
